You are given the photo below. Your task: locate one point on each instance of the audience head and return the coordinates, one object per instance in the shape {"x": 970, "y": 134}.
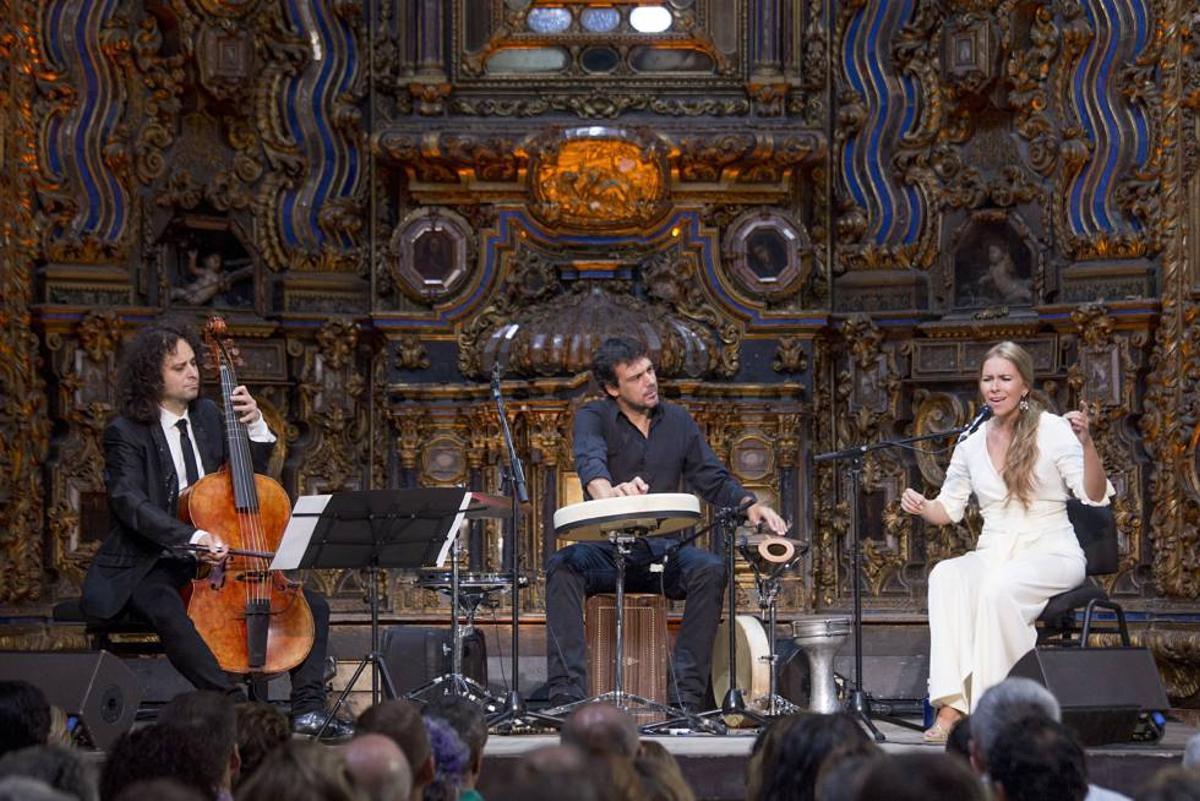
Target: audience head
{"x": 301, "y": 771}
{"x": 23, "y": 788}
{"x": 921, "y": 777}
{"x": 466, "y": 718}
{"x": 1002, "y": 704}
{"x": 596, "y": 776}
{"x": 538, "y": 790}
{"x": 958, "y": 743}
{"x": 378, "y": 767}
{"x": 844, "y": 770}
{"x": 24, "y": 716}
{"x": 763, "y": 750}
{"x": 601, "y": 729}
{"x": 159, "y": 790}
{"x": 211, "y": 718}
{"x": 791, "y": 773}
{"x": 1172, "y": 784}
{"x": 1035, "y": 758}
{"x": 261, "y": 728}
{"x": 1191, "y": 754}
{"x": 451, "y": 761}
{"x": 659, "y": 775}
{"x": 57, "y": 766}
{"x": 160, "y": 752}
{"x": 401, "y": 720}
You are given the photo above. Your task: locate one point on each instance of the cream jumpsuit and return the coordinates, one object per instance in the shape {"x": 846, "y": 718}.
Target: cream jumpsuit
{"x": 983, "y": 604}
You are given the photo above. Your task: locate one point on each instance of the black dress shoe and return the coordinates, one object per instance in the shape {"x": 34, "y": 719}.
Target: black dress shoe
{"x": 562, "y": 700}
{"x": 310, "y": 723}
{"x": 686, "y": 707}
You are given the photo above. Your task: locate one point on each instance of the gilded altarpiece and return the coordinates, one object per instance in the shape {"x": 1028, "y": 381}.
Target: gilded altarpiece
{"x": 818, "y": 214}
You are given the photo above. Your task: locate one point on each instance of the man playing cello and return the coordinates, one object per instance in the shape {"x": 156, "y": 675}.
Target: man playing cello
{"x": 165, "y": 439}
{"x": 631, "y": 443}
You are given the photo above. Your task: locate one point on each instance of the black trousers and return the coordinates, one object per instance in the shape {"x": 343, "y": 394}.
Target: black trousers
{"x": 588, "y": 568}
{"x": 157, "y": 599}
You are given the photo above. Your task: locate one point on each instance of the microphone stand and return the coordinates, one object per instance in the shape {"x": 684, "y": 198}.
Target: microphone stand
{"x": 514, "y": 716}
{"x": 859, "y": 702}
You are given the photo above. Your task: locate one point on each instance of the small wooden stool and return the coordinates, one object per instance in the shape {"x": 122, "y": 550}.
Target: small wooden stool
{"x": 647, "y": 647}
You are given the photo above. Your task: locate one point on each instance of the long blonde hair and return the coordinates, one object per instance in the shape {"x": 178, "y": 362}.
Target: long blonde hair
{"x": 1023, "y": 450}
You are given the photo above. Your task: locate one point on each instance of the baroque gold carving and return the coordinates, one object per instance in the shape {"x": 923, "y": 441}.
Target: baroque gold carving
{"x": 1172, "y": 387}
{"x": 332, "y": 397}
{"x": 599, "y": 182}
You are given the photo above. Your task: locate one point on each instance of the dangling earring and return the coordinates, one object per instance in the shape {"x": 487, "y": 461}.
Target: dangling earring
{"x": 1024, "y": 404}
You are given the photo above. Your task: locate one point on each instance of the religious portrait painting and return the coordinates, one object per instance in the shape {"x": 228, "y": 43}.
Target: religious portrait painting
{"x": 1102, "y": 376}
{"x": 430, "y": 251}
{"x": 768, "y": 254}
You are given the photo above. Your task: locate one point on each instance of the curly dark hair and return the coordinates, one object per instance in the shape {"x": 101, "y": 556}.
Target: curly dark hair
{"x": 614, "y": 351}
{"x": 141, "y": 381}
{"x": 791, "y": 774}
{"x": 157, "y": 752}
{"x": 261, "y": 728}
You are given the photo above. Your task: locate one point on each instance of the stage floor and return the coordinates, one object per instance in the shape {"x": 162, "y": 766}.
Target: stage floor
{"x": 716, "y": 764}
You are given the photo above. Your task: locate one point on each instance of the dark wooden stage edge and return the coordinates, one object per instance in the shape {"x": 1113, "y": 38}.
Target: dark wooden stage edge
{"x": 715, "y": 767}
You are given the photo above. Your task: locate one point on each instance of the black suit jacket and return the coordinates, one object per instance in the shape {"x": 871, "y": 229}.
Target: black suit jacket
{"x": 143, "y": 499}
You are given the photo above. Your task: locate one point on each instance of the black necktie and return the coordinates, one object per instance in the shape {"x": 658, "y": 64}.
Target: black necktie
{"x": 189, "y": 455}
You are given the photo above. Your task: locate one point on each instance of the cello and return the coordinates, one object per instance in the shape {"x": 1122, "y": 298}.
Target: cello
{"x": 254, "y": 620}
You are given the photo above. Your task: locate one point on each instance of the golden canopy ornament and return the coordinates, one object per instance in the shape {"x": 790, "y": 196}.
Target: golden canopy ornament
{"x": 598, "y": 177}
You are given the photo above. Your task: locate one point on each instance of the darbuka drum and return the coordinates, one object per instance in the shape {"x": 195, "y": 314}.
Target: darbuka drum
{"x": 649, "y": 515}
{"x": 820, "y": 639}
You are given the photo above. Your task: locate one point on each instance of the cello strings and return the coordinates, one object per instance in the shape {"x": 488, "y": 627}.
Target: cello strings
{"x": 237, "y": 458}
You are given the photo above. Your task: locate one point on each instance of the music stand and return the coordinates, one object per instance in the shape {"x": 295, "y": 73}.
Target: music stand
{"x": 374, "y": 529}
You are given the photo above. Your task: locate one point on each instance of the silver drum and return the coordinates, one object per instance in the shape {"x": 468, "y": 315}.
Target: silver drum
{"x": 821, "y": 639}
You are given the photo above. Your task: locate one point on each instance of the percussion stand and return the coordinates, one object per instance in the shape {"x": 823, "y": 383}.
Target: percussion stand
{"x": 514, "y": 717}
{"x": 768, "y": 595}
{"x": 456, "y": 682}
{"x": 618, "y": 696}
{"x": 734, "y": 702}
{"x": 859, "y": 703}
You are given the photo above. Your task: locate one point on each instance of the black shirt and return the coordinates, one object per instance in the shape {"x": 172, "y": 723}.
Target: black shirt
{"x": 608, "y": 445}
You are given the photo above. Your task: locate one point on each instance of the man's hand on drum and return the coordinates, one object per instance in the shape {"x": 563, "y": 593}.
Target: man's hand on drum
{"x": 765, "y": 517}
{"x": 634, "y": 486}
{"x": 601, "y": 488}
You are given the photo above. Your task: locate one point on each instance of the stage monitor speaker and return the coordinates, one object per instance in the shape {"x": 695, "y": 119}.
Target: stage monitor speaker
{"x": 416, "y": 655}
{"x": 96, "y": 687}
{"x": 1102, "y": 691}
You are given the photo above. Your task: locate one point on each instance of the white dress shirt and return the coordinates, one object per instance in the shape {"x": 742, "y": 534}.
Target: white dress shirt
{"x": 258, "y": 432}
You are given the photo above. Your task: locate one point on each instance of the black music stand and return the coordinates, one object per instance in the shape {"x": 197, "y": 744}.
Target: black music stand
{"x": 372, "y": 529}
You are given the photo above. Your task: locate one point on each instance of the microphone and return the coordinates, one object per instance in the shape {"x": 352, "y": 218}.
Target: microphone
{"x": 496, "y": 377}
{"x": 979, "y": 420}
